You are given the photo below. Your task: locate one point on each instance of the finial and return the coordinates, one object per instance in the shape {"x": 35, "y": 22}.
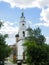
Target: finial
{"x": 22, "y": 14}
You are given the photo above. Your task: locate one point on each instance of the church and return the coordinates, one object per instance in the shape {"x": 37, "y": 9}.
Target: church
{"x": 20, "y": 37}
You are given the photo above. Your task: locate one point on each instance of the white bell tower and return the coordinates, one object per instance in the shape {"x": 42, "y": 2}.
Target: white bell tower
{"x": 20, "y": 37}
{"x": 22, "y": 27}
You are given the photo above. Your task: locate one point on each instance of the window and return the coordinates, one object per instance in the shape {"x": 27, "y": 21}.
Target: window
{"x": 23, "y": 24}
{"x": 23, "y": 34}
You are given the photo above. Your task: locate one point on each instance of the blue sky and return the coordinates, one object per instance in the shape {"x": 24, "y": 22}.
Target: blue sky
{"x": 36, "y": 13}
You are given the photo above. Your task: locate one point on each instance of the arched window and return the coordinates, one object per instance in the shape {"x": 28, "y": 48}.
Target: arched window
{"x": 23, "y": 34}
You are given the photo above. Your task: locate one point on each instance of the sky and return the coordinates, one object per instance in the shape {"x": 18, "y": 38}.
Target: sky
{"x": 36, "y": 14}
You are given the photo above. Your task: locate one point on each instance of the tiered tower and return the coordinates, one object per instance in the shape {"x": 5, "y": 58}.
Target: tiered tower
{"x": 20, "y": 38}
{"x": 22, "y": 27}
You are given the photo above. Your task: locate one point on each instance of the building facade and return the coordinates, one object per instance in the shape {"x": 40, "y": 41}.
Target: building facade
{"x": 20, "y": 37}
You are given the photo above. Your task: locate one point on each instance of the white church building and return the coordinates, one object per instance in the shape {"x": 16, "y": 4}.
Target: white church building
{"x": 20, "y": 37}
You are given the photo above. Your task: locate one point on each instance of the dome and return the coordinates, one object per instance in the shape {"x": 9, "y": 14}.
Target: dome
{"x": 17, "y": 35}
{"x": 28, "y": 29}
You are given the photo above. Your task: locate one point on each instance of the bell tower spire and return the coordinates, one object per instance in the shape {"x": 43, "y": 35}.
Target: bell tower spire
{"x": 22, "y": 13}
{"x": 22, "y": 18}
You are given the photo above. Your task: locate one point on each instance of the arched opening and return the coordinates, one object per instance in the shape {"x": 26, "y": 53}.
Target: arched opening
{"x": 23, "y": 34}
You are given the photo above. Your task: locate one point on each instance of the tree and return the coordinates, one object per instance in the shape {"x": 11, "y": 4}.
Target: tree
{"x": 1, "y": 24}
{"x": 37, "y": 52}
{"x": 4, "y": 48}
{"x": 38, "y": 37}
{"x": 35, "y": 35}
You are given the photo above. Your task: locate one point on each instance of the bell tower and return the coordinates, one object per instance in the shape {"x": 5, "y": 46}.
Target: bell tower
{"x": 20, "y": 37}
{"x": 22, "y": 26}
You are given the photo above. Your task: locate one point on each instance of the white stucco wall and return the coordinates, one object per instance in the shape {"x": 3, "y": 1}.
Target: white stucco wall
{"x": 20, "y": 50}
{"x": 21, "y": 29}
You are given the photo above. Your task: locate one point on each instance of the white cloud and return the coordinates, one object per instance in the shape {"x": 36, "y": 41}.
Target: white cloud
{"x": 43, "y": 3}
{"x": 19, "y": 3}
{"x": 47, "y": 40}
{"x": 11, "y": 30}
{"x": 11, "y": 41}
{"x": 45, "y": 15}
{"x": 8, "y": 28}
{"x": 27, "y": 4}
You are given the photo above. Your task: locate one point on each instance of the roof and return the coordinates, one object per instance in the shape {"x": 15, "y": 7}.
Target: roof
{"x": 17, "y": 35}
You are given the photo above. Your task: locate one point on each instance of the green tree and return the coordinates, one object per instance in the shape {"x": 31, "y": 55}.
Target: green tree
{"x": 38, "y": 37}
{"x": 35, "y": 35}
{"x": 1, "y": 24}
{"x": 4, "y": 48}
{"x": 37, "y": 52}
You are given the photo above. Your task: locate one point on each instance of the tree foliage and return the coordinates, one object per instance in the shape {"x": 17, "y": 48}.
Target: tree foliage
{"x": 35, "y": 35}
{"x": 1, "y": 24}
{"x": 4, "y": 48}
{"x": 37, "y": 52}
